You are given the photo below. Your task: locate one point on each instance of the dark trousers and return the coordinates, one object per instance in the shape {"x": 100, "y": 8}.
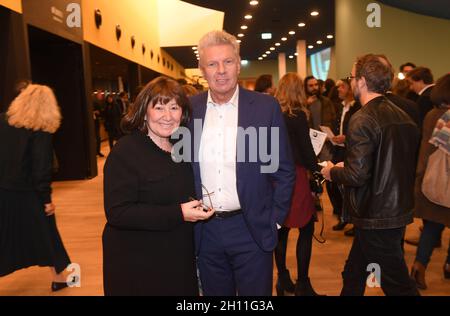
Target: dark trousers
{"x": 303, "y": 251}
{"x": 335, "y": 196}
{"x": 230, "y": 262}
{"x": 382, "y": 247}
{"x": 431, "y": 234}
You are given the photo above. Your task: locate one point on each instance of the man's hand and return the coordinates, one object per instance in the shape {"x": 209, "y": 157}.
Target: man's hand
{"x": 326, "y": 171}
{"x": 339, "y": 139}
{"x": 49, "y": 209}
{"x": 311, "y": 99}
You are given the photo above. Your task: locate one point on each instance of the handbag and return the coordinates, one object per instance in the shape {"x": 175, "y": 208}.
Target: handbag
{"x": 436, "y": 180}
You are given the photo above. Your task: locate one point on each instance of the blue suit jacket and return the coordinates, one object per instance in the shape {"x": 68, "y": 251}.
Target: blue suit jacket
{"x": 265, "y": 198}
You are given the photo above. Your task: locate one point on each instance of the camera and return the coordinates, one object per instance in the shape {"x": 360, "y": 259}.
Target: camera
{"x": 316, "y": 182}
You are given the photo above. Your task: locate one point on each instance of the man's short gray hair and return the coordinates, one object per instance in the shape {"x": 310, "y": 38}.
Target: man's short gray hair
{"x": 216, "y": 38}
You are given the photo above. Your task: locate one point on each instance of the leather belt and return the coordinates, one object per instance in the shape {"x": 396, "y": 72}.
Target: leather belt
{"x": 229, "y": 214}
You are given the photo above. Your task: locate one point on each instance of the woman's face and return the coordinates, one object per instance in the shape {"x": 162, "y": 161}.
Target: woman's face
{"x": 164, "y": 119}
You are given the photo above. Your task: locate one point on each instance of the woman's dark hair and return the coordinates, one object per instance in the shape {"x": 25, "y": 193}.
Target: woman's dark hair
{"x": 160, "y": 90}
{"x": 263, "y": 83}
{"x": 440, "y": 95}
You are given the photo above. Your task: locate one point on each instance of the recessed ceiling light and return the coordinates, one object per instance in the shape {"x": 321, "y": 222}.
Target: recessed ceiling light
{"x": 254, "y": 2}
{"x": 330, "y": 36}
{"x": 291, "y": 57}
{"x": 239, "y": 41}
{"x": 240, "y": 35}
{"x": 319, "y": 42}
{"x": 264, "y": 55}
{"x": 314, "y": 13}
{"x": 310, "y": 46}
{"x": 194, "y": 48}
{"x": 266, "y": 36}
{"x": 296, "y": 54}
{"x": 291, "y": 33}
{"x": 284, "y": 39}
{"x": 302, "y": 24}
{"x": 244, "y": 27}
{"x": 248, "y": 17}
{"x": 244, "y": 62}
{"x": 260, "y": 58}
{"x": 272, "y": 48}
{"x": 277, "y": 44}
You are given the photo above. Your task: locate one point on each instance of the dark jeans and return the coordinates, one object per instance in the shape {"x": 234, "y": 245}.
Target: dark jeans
{"x": 431, "y": 234}
{"x": 382, "y": 247}
{"x": 335, "y": 198}
{"x": 304, "y": 250}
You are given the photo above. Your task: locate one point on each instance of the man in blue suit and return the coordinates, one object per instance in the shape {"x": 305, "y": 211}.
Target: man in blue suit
{"x": 243, "y": 168}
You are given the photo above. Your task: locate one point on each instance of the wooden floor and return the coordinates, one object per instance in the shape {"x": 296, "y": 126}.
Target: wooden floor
{"x": 81, "y": 220}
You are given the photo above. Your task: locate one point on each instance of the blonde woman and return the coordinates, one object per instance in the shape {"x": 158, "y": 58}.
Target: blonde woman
{"x": 302, "y": 215}
{"x": 28, "y": 232}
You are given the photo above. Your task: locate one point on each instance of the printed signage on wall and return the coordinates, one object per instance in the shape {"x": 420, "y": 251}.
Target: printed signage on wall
{"x": 60, "y": 17}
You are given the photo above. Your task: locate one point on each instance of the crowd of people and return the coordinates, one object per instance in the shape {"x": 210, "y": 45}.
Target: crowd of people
{"x": 217, "y": 220}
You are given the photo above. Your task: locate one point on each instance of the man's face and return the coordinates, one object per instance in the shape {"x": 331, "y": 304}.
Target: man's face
{"x": 221, "y": 67}
{"x": 407, "y": 69}
{"x": 343, "y": 90}
{"x": 354, "y": 83}
{"x": 415, "y": 86}
{"x": 312, "y": 87}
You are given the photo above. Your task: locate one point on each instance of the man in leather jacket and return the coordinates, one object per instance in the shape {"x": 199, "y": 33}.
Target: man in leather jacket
{"x": 378, "y": 175}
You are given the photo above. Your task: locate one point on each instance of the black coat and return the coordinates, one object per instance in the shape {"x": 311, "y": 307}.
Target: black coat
{"x": 148, "y": 249}
{"x": 381, "y": 143}
{"x": 425, "y": 104}
{"x": 411, "y": 108}
{"x": 25, "y": 160}
{"x": 302, "y": 149}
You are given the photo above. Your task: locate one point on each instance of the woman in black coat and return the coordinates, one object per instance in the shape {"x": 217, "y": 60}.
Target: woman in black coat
{"x": 28, "y": 232}
{"x": 148, "y": 243}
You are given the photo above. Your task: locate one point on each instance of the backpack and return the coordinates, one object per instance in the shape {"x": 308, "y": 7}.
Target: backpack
{"x": 436, "y": 180}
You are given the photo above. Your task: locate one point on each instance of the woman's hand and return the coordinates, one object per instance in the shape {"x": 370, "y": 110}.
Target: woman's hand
{"x": 50, "y": 209}
{"x": 194, "y": 212}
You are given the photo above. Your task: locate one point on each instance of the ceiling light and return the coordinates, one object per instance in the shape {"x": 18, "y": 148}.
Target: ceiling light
{"x": 291, "y": 57}
{"x": 260, "y": 58}
{"x": 266, "y": 36}
{"x": 291, "y": 33}
{"x": 264, "y": 55}
{"x": 284, "y": 39}
{"x": 244, "y": 27}
{"x": 244, "y": 62}
{"x": 239, "y": 41}
{"x": 330, "y": 36}
{"x": 314, "y": 13}
{"x": 268, "y": 52}
{"x": 240, "y": 35}
{"x": 272, "y": 48}
{"x": 194, "y": 48}
{"x": 302, "y": 24}
{"x": 277, "y": 44}
{"x": 254, "y": 2}
{"x": 401, "y": 76}
{"x": 310, "y": 46}
{"x": 296, "y": 54}
{"x": 319, "y": 42}
{"x": 248, "y": 17}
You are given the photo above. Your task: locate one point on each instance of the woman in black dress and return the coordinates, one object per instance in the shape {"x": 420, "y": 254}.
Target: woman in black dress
{"x": 302, "y": 214}
{"x": 28, "y": 233}
{"x": 148, "y": 243}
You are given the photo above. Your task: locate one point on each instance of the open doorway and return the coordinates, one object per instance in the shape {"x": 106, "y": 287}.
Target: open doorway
{"x": 58, "y": 63}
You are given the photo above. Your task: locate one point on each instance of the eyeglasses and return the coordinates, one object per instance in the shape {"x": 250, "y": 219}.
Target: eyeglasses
{"x": 208, "y": 195}
{"x": 349, "y": 78}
